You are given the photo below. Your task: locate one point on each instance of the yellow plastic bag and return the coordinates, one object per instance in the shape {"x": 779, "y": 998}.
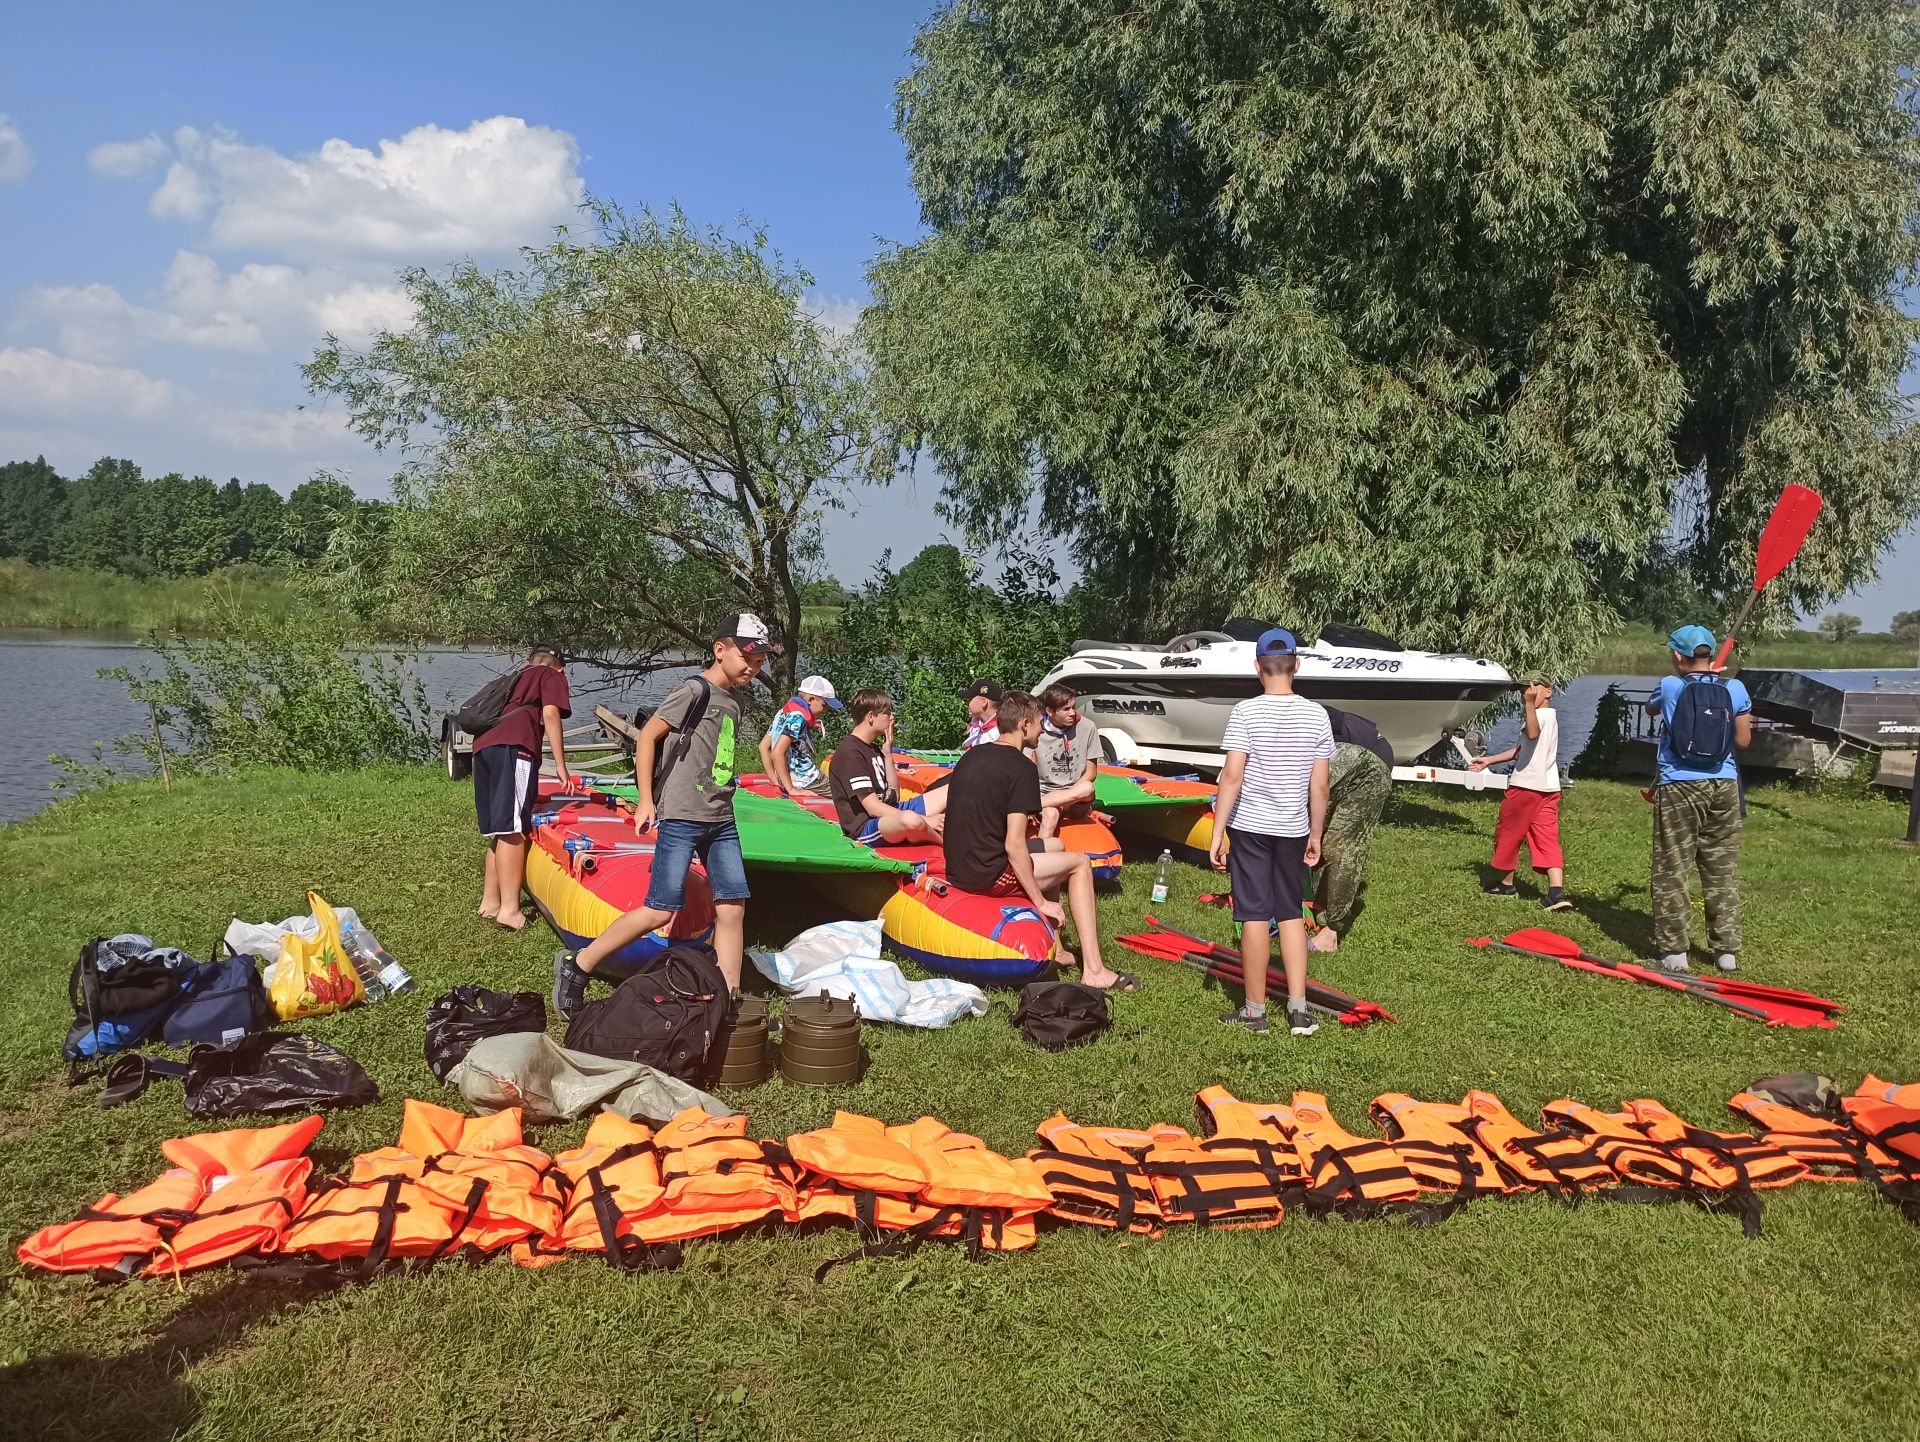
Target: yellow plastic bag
{"x": 314, "y": 977}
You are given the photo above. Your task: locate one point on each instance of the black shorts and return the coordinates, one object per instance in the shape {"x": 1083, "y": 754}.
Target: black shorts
{"x": 1268, "y": 874}
{"x": 506, "y": 782}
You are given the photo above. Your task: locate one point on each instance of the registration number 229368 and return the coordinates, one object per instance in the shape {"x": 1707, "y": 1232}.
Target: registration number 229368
{"x": 1363, "y": 663}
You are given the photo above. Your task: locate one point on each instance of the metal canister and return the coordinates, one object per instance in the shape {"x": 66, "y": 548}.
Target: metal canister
{"x": 747, "y": 1059}
{"x": 820, "y": 1041}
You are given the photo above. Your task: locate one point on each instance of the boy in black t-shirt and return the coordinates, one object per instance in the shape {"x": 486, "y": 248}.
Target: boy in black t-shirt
{"x": 994, "y": 793}
{"x": 864, "y": 781}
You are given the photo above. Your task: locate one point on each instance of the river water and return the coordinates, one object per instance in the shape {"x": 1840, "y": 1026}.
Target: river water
{"x": 51, "y": 701}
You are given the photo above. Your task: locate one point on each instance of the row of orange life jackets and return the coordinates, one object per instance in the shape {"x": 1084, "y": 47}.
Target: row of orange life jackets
{"x": 454, "y": 1182}
{"x": 1251, "y": 1160}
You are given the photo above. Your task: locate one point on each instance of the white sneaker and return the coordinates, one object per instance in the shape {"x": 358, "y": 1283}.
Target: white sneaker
{"x": 1727, "y": 961}
{"x": 1675, "y": 961}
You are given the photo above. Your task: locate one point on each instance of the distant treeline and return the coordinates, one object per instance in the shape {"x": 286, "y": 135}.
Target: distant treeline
{"x": 113, "y": 518}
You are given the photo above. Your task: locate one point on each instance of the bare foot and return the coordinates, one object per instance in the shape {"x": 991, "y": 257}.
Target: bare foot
{"x": 1065, "y": 959}
{"x": 489, "y": 909}
{"x": 1324, "y": 940}
{"x": 512, "y": 920}
{"x": 1105, "y": 977}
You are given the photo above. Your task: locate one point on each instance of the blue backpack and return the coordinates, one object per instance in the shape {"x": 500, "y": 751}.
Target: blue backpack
{"x": 1700, "y": 735}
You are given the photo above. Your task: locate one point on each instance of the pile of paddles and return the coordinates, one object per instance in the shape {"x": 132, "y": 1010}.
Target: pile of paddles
{"x": 460, "y": 1186}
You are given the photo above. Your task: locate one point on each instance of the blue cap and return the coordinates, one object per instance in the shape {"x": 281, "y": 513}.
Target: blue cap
{"x": 1277, "y": 642}
{"x": 1692, "y": 641}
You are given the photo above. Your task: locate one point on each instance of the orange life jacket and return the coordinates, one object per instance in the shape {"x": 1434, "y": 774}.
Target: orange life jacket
{"x": 1433, "y": 1140}
{"x": 1632, "y": 1155}
{"x": 378, "y": 1212}
{"x": 1096, "y": 1175}
{"x": 1829, "y": 1151}
{"x": 1892, "y": 1133}
{"x": 480, "y": 1169}
{"x": 1557, "y": 1162}
{"x": 1728, "y": 1160}
{"x": 997, "y": 1196}
{"x": 228, "y": 1193}
{"x": 1873, "y": 1089}
{"x": 856, "y": 1171}
{"x": 716, "y": 1179}
{"x": 1236, "y": 1176}
{"x": 612, "y": 1180}
{"x": 1344, "y": 1170}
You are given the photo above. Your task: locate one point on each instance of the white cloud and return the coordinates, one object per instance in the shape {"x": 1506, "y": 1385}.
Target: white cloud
{"x": 836, "y": 313}
{"x": 249, "y": 310}
{"x": 181, "y": 196}
{"x": 126, "y": 159}
{"x": 35, "y": 382}
{"x": 16, "y": 156}
{"x": 433, "y": 194}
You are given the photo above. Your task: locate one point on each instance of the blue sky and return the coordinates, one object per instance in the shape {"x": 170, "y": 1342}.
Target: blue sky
{"x": 191, "y": 195}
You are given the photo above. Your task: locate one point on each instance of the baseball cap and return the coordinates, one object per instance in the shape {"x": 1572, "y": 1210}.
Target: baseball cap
{"x": 823, "y": 688}
{"x": 989, "y": 689}
{"x": 1276, "y": 642}
{"x": 745, "y": 630}
{"x": 1692, "y": 641}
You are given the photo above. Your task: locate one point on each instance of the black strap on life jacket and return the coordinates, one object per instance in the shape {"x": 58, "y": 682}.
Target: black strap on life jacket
{"x": 624, "y": 1251}
{"x": 1121, "y": 1188}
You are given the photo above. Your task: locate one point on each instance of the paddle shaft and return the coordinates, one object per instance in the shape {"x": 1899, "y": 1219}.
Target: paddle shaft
{"x": 1641, "y": 975}
{"x": 1232, "y": 958}
{"x": 1221, "y": 971}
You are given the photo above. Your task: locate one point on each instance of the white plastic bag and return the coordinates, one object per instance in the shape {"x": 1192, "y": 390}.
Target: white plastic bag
{"x": 843, "y": 959}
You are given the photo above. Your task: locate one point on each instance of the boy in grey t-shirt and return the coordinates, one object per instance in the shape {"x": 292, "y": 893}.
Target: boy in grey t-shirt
{"x": 1067, "y": 757}
{"x": 684, "y": 767}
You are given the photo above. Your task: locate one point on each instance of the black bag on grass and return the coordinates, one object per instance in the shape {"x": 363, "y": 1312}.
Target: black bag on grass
{"x": 121, "y": 989}
{"x": 457, "y": 1019}
{"x": 666, "y": 1017}
{"x": 1057, "y": 1015}
{"x": 274, "y": 1073}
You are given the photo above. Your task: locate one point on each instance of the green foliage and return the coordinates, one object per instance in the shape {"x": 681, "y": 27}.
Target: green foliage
{"x": 280, "y": 692}
{"x": 1906, "y": 627}
{"x": 60, "y": 598}
{"x": 33, "y": 507}
{"x": 629, "y": 434}
{"x": 1443, "y": 321}
{"x": 1839, "y": 626}
{"x": 923, "y": 644}
{"x": 100, "y": 517}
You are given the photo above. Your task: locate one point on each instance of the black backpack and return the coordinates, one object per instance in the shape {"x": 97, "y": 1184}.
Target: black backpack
{"x": 467, "y": 1014}
{"x": 1701, "y": 732}
{"x": 119, "y": 999}
{"x": 675, "y": 751}
{"x": 487, "y": 707}
{"x": 667, "y": 1016}
{"x": 1057, "y": 1015}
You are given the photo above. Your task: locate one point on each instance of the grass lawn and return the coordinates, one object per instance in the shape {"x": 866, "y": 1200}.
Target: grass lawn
{"x": 1520, "y": 1319}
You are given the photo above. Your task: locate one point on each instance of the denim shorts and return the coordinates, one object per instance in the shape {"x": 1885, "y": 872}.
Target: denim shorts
{"x": 676, "y": 843}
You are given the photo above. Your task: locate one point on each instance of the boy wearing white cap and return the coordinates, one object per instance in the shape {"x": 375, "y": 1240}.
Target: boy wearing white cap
{"x": 788, "y": 750}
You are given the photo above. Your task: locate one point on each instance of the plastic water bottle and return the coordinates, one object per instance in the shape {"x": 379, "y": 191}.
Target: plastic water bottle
{"x": 1163, "y": 876}
{"x": 354, "y": 944}
{"x": 391, "y": 975}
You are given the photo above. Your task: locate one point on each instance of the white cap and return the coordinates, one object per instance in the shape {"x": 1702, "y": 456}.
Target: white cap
{"x": 823, "y": 688}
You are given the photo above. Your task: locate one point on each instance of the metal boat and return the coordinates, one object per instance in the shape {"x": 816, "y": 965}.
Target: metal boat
{"x": 1170, "y": 703}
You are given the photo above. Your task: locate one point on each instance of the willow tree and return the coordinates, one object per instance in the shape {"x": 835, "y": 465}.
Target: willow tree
{"x": 1447, "y": 319}
{"x": 608, "y": 446}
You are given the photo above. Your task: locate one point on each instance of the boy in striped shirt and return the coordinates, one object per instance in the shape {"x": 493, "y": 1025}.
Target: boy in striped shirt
{"x": 1273, "y": 807}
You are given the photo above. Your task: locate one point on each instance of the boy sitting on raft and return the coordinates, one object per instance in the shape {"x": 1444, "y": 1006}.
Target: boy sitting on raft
{"x": 865, "y": 783}
{"x": 993, "y": 795}
{"x": 1066, "y": 755}
{"x": 787, "y": 750}
{"x": 688, "y": 791}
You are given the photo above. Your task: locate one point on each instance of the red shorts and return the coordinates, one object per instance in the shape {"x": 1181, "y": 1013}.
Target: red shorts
{"x": 1533, "y": 816}
{"x": 1007, "y": 885}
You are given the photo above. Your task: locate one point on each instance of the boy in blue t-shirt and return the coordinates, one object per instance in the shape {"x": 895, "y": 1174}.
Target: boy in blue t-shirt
{"x": 1696, "y": 802}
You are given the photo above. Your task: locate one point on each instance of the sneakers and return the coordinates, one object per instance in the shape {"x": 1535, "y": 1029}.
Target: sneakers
{"x": 1500, "y": 888}
{"x": 569, "y": 985}
{"x": 1555, "y": 900}
{"x": 1300, "y": 1021}
{"x": 1240, "y": 1016}
{"x": 1727, "y": 961}
{"x": 1675, "y": 962}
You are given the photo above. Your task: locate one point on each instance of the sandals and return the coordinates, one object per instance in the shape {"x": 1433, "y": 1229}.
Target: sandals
{"x": 1121, "y": 982}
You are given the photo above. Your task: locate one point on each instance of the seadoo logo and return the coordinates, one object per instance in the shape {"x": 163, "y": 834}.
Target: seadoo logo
{"x": 1166, "y": 661}
{"x": 1131, "y": 706}
{"x": 1898, "y": 728}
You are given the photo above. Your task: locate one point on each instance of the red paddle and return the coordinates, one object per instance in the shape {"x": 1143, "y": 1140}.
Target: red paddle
{"x": 1552, "y": 943}
{"x": 1785, "y": 533}
{"x": 1317, "y": 991}
{"x": 1801, "y": 1011}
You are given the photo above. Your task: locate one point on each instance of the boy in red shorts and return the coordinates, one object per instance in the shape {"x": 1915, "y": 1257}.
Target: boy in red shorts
{"x": 1530, "y": 810}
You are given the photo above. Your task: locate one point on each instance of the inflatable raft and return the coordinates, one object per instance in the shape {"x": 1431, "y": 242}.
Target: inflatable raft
{"x": 919, "y": 770}
{"x": 586, "y": 867}
{"x": 987, "y": 940}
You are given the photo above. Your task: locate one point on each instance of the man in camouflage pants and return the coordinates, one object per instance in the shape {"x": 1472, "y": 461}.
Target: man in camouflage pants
{"x": 1361, "y": 784}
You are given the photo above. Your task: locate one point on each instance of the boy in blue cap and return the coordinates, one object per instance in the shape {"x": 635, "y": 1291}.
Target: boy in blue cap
{"x": 1696, "y": 801}
{"x": 1273, "y": 799}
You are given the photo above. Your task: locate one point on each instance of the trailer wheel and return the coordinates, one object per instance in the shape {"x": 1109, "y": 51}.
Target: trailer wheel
{"x": 459, "y": 763}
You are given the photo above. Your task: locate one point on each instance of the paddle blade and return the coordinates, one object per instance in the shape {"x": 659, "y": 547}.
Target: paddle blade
{"x": 1545, "y": 943}
{"x": 1793, "y": 516}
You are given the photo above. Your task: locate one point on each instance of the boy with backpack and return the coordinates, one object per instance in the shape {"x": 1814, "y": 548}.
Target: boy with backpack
{"x": 686, "y": 786}
{"x": 1272, "y": 804}
{"x": 506, "y": 778}
{"x": 1696, "y": 801}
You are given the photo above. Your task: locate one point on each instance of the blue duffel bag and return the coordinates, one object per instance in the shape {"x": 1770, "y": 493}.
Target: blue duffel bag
{"x": 219, "y": 1002}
